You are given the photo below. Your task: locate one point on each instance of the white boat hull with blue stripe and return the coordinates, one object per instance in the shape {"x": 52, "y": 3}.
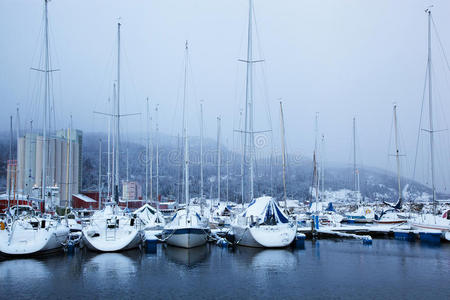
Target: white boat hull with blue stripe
{"x": 187, "y": 229}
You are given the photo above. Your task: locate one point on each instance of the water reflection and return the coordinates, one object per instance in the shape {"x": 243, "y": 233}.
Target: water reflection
{"x": 188, "y": 257}
{"x": 117, "y": 265}
{"x": 23, "y": 269}
{"x": 276, "y": 259}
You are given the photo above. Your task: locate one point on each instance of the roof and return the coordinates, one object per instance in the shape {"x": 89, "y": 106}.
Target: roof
{"x": 85, "y": 198}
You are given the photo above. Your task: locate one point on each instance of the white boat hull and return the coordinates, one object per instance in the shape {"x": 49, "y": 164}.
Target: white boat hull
{"x": 186, "y": 237}
{"x": 124, "y": 240}
{"x": 33, "y": 241}
{"x": 265, "y": 236}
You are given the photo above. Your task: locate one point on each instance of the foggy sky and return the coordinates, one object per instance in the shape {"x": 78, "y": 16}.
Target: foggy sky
{"x": 343, "y": 59}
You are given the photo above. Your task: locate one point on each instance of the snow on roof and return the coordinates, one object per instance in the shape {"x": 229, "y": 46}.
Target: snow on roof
{"x": 85, "y": 198}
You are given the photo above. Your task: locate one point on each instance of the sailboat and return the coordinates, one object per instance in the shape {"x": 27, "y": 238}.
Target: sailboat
{"x": 363, "y": 213}
{"x": 391, "y": 216}
{"x": 432, "y": 221}
{"x": 112, "y": 229}
{"x": 262, "y": 223}
{"x": 187, "y": 227}
{"x": 29, "y": 233}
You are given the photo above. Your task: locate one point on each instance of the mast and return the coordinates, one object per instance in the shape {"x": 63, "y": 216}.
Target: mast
{"x": 185, "y": 132}
{"x": 316, "y": 177}
{"x": 157, "y": 158}
{"x": 99, "y": 173}
{"x": 8, "y": 186}
{"x": 218, "y": 159}
{"x": 430, "y": 110}
{"x": 228, "y": 173}
{"x": 249, "y": 98}
{"x": 109, "y": 155}
{"x": 201, "y": 155}
{"x": 113, "y": 163}
{"x": 322, "y": 170}
{"x": 116, "y": 187}
{"x": 283, "y": 153}
{"x": 46, "y": 102}
{"x": 397, "y": 154}
{"x": 146, "y": 153}
{"x": 355, "y": 171}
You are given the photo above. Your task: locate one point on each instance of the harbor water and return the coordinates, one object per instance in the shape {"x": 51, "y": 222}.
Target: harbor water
{"x": 387, "y": 269}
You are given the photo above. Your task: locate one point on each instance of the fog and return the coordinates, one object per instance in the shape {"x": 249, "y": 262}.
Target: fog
{"x": 342, "y": 59}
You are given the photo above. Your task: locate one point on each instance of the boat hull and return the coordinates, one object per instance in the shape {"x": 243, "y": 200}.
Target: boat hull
{"x": 128, "y": 240}
{"x": 265, "y": 236}
{"x": 26, "y": 242}
{"x": 185, "y": 237}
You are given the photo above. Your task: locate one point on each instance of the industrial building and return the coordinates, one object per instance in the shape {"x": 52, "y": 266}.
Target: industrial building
{"x": 63, "y": 165}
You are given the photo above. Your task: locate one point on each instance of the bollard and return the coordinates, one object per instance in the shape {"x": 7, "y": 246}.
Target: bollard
{"x": 70, "y": 247}
{"x": 150, "y": 245}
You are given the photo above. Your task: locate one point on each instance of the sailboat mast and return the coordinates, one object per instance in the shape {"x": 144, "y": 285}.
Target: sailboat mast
{"x": 116, "y": 187}
{"x": 109, "y": 153}
{"x": 218, "y": 159}
{"x": 113, "y": 163}
{"x": 46, "y": 100}
{"x": 355, "y": 171}
{"x": 249, "y": 101}
{"x": 283, "y": 153}
{"x": 397, "y": 154}
{"x": 322, "y": 170}
{"x": 430, "y": 111}
{"x": 146, "y": 153}
{"x": 201, "y": 154}
{"x": 316, "y": 173}
{"x": 99, "y": 173}
{"x": 157, "y": 157}
{"x": 185, "y": 131}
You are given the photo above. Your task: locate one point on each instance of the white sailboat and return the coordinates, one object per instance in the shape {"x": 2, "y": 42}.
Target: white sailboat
{"x": 111, "y": 229}
{"x": 262, "y": 223}
{"x": 431, "y": 221}
{"x": 187, "y": 228}
{"x": 28, "y": 233}
{"x": 391, "y": 216}
{"x": 363, "y": 213}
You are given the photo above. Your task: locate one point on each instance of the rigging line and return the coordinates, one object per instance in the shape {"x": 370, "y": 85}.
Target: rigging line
{"x": 420, "y": 121}
{"x": 178, "y": 100}
{"x": 388, "y": 161}
{"x": 440, "y": 42}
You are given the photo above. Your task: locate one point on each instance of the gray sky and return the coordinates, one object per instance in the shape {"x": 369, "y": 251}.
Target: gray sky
{"x": 340, "y": 58}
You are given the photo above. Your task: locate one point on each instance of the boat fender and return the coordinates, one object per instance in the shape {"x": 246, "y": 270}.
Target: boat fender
{"x": 43, "y": 224}
{"x": 132, "y": 222}
{"x": 2, "y": 226}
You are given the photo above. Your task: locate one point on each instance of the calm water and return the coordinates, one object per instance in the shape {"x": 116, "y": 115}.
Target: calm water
{"x": 324, "y": 269}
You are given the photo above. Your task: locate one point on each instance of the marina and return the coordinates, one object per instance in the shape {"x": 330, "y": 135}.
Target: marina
{"x": 153, "y": 191}
{"x": 322, "y": 269}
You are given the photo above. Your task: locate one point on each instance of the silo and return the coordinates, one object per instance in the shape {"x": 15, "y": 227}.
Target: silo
{"x": 75, "y": 168}
{"x": 30, "y": 162}
{"x": 20, "y": 164}
{"x": 39, "y": 144}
